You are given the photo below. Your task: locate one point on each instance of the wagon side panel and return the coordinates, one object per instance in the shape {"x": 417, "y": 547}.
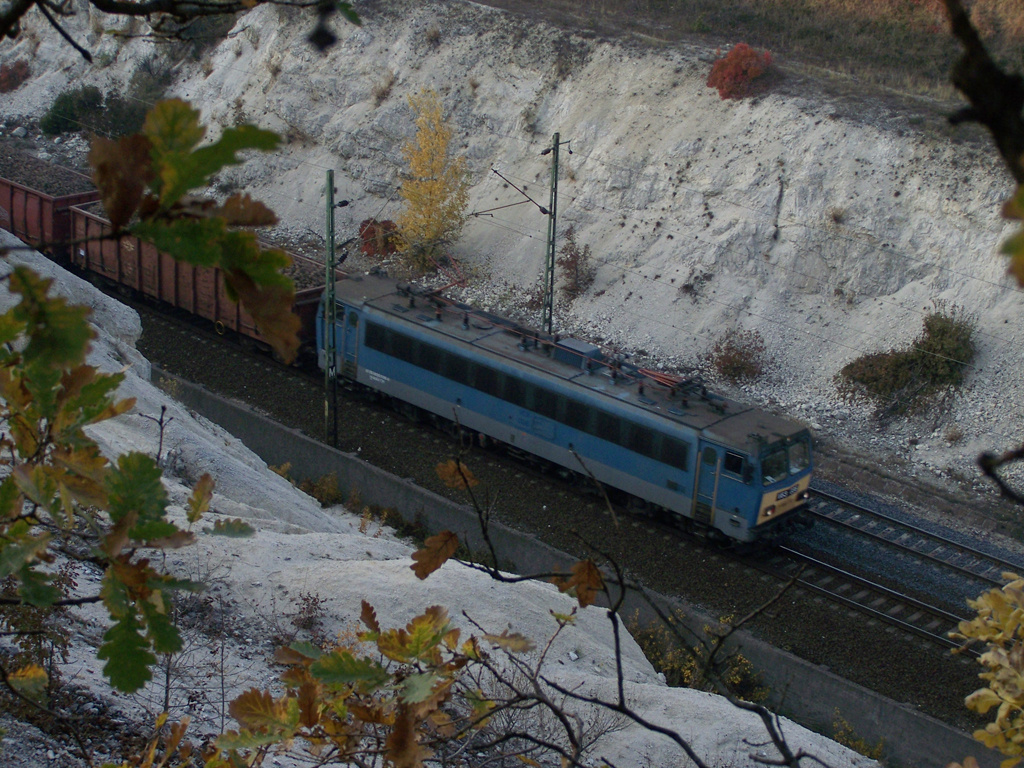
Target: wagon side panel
{"x": 205, "y": 289}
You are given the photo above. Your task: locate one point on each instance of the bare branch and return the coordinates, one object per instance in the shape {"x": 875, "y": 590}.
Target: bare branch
{"x": 990, "y": 464}
{"x": 996, "y": 97}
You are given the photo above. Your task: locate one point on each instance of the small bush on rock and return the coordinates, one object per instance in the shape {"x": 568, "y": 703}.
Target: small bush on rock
{"x": 324, "y": 489}
{"x": 687, "y": 667}
{"x": 733, "y": 73}
{"x": 378, "y": 238}
{"x": 578, "y": 271}
{"x": 72, "y": 111}
{"x": 13, "y": 75}
{"x": 906, "y": 380}
{"x": 86, "y": 109}
{"x": 739, "y": 355}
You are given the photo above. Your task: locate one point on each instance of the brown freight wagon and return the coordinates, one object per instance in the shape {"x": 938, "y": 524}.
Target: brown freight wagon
{"x": 40, "y": 219}
{"x": 139, "y": 266}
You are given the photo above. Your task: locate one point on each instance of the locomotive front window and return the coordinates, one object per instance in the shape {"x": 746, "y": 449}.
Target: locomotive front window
{"x": 799, "y": 457}
{"x": 785, "y": 460}
{"x": 774, "y": 466}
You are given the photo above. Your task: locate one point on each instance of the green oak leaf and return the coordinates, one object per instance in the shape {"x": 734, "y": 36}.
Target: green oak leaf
{"x": 193, "y": 241}
{"x": 127, "y": 654}
{"x": 235, "y": 529}
{"x": 161, "y": 629}
{"x": 58, "y": 333}
{"x": 134, "y": 487}
{"x": 418, "y": 687}
{"x": 342, "y": 668}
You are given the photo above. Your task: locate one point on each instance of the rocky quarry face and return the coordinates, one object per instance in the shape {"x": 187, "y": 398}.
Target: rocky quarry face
{"x": 832, "y": 228}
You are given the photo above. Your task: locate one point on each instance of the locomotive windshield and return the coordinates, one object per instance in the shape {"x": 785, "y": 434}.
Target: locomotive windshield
{"x": 784, "y": 460}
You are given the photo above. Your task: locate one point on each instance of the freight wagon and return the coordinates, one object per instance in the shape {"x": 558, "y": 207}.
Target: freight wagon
{"x": 44, "y": 220}
{"x": 129, "y": 263}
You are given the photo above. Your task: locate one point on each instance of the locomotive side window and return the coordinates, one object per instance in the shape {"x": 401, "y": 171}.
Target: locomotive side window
{"x": 639, "y": 439}
{"x": 607, "y": 427}
{"x": 733, "y": 463}
{"x": 486, "y": 380}
{"x": 546, "y": 402}
{"x": 673, "y": 452}
{"x": 455, "y": 368}
{"x": 577, "y": 416}
{"x": 378, "y": 338}
{"x": 709, "y": 456}
{"x": 513, "y": 391}
{"x": 420, "y": 355}
{"x": 402, "y": 347}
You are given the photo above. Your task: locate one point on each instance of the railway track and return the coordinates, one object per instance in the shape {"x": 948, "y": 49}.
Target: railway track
{"x": 911, "y": 539}
{"x": 876, "y": 601}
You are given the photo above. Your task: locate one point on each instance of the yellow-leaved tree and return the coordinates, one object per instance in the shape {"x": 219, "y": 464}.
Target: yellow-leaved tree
{"x": 436, "y": 190}
{"x": 1000, "y": 625}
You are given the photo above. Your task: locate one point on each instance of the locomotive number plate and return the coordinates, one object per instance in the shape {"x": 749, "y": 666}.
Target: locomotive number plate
{"x": 786, "y": 493}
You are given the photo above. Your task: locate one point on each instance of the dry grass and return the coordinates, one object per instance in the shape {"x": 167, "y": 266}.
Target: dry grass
{"x": 382, "y": 88}
{"x": 900, "y": 44}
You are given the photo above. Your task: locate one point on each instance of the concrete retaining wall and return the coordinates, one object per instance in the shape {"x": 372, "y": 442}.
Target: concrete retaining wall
{"x": 804, "y": 692}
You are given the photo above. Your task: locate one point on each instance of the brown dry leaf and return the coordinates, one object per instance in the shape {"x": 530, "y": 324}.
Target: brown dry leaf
{"x": 199, "y": 500}
{"x": 309, "y": 704}
{"x": 403, "y": 748}
{"x": 455, "y": 474}
{"x": 243, "y": 211}
{"x": 586, "y": 579}
{"x": 122, "y": 170}
{"x": 271, "y": 309}
{"x": 372, "y": 713}
{"x": 176, "y": 735}
{"x": 513, "y": 641}
{"x": 176, "y": 540}
{"x": 257, "y": 710}
{"x": 296, "y": 676}
{"x": 422, "y": 710}
{"x": 442, "y": 723}
{"x": 116, "y": 539}
{"x": 369, "y": 617}
{"x": 435, "y": 553}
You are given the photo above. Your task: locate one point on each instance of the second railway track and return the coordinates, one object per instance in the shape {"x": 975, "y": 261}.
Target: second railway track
{"x": 928, "y": 545}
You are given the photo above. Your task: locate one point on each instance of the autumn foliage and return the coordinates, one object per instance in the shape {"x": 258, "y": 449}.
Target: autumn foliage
{"x": 998, "y": 628}
{"x": 577, "y": 269}
{"x": 13, "y": 75}
{"x": 436, "y": 190}
{"x": 378, "y": 238}
{"x": 733, "y": 74}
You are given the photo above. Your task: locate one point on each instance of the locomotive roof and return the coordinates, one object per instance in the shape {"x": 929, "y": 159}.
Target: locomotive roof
{"x": 684, "y": 401}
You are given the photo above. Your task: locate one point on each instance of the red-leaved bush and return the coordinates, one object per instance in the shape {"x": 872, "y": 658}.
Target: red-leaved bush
{"x": 13, "y": 75}
{"x": 379, "y": 238}
{"x": 733, "y": 73}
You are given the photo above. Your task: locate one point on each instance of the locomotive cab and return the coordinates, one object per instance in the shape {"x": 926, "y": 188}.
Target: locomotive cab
{"x": 757, "y": 485}
{"x": 785, "y": 477}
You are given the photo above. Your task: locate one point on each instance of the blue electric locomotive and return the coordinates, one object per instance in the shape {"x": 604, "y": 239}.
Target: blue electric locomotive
{"x": 718, "y": 467}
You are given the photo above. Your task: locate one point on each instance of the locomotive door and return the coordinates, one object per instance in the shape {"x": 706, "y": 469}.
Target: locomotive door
{"x": 707, "y": 486}
{"x": 350, "y": 343}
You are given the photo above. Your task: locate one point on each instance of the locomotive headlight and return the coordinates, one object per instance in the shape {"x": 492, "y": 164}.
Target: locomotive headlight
{"x": 804, "y": 496}
{"x": 770, "y": 511}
